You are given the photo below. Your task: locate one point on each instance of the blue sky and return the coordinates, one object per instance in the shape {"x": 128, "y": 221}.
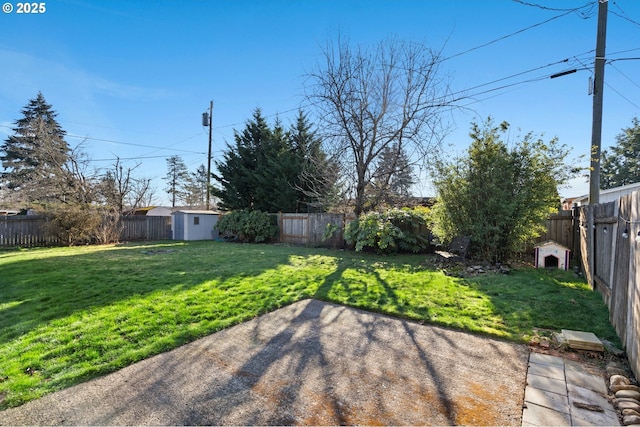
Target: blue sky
{"x": 132, "y": 78}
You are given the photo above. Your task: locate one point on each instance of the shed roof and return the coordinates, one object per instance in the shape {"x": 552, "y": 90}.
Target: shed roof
{"x": 196, "y": 212}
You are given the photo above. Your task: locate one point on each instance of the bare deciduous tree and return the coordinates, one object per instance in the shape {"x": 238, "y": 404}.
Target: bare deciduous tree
{"x": 120, "y": 189}
{"x": 374, "y": 99}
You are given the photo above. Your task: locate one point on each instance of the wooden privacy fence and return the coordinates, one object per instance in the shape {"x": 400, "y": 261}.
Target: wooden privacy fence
{"x": 309, "y": 228}
{"x": 561, "y": 228}
{"x": 30, "y": 231}
{"x": 138, "y": 227}
{"x": 25, "y": 231}
{"x": 610, "y": 257}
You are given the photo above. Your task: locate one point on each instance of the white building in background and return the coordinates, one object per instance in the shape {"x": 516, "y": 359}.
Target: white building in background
{"x": 608, "y": 195}
{"x": 194, "y": 225}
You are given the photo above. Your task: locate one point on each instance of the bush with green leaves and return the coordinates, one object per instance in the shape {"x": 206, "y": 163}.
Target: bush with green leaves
{"x": 396, "y": 230}
{"x": 501, "y": 192}
{"x": 249, "y": 226}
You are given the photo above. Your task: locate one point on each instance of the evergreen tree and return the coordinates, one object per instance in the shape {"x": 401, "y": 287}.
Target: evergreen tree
{"x": 177, "y": 180}
{"x": 621, "y": 166}
{"x": 35, "y": 158}
{"x": 196, "y": 187}
{"x": 317, "y": 174}
{"x": 264, "y": 169}
{"x": 279, "y": 173}
{"x": 239, "y": 171}
{"x": 393, "y": 177}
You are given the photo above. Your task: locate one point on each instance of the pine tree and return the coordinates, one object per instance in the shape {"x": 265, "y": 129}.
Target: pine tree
{"x": 317, "y": 174}
{"x": 196, "y": 187}
{"x": 177, "y": 179}
{"x": 238, "y": 172}
{"x": 266, "y": 168}
{"x": 393, "y": 177}
{"x": 35, "y": 157}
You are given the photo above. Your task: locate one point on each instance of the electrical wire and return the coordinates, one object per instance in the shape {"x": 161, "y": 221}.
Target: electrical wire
{"x": 621, "y": 95}
{"x": 624, "y": 75}
{"x": 132, "y": 144}
{"x": 612, "y": 88}
{"x": 552, "y": 8}
{"x": 623, "y": 15}
{"x": 569, "y": 11}
{"x": 132, "y": 158}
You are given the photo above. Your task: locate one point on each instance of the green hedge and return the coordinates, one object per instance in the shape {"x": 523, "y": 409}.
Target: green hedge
{"x": 248, "y": 226}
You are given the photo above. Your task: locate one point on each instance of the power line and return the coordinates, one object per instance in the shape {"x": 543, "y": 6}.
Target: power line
{"x": 525, "y": 72}
{"x": 625, "y": 76}
{"x": 133, "y": 158}
{"x": 624, "y": 51}
{"x": 70, "y": 135}
{"x": 612, "y": 88}
{"x": 517, "y": 32}
{"x": 623, "y": 16}
{"x": 156, "y": 148}
{"x": 166, "y": 147}
{"x": 622, "y": 96}
{"x": 551, "y": 8}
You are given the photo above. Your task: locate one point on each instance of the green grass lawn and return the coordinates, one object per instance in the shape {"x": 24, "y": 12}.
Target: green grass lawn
{"x": 70, "y": 314}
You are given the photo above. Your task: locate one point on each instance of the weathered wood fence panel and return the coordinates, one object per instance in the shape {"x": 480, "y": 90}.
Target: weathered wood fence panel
{"x": 25, "y": 231}
{"x": 309, "y": 228}
{"x": 30, "y": 231}
{"x": 611, "y": 262}
{"x": 632, "y": 335}
{"x": 138, "y": 227}
{"x": 561, "y": 229}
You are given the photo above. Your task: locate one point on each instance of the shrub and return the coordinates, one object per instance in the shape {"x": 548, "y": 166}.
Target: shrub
{"x": 500, "y": 192}
{"x": 109, "y": 229}
{"x": 73, "y": 225}
{"x": 397, "y": 230}
{"x": 249, "y": 226}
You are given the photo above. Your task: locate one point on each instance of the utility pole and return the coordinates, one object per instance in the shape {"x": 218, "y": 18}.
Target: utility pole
{"x": 207, "y": 120}
{"x": 598, "y": 87}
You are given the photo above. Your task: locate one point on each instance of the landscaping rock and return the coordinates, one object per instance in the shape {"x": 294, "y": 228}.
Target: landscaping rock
{"x": 613, "y": 363}
{"x": 629, "y": 394}
{"x": 611, "y": 348}
{"x": 619, "y": 379}
{"x": 622, "y": 405}
{"x": 630, "y": 412}
{"x": 617, "y": 388}
{"x": 615, "y": 371}
{"x": 631, "y": 419}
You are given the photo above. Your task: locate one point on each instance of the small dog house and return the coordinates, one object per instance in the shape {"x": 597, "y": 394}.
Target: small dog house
{"x": 194, "y": 225}
{"x": 550, "y": 254}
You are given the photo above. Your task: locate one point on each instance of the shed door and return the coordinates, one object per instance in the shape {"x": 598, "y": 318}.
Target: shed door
{"x": 178, "y": 231}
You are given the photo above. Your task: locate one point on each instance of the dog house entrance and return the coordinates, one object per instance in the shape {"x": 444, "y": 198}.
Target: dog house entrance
{"x": 550, "y": 261}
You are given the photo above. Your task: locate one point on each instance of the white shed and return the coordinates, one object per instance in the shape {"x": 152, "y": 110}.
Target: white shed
{"x": 194, "y": 225}
{"x": 550, "y": 254}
